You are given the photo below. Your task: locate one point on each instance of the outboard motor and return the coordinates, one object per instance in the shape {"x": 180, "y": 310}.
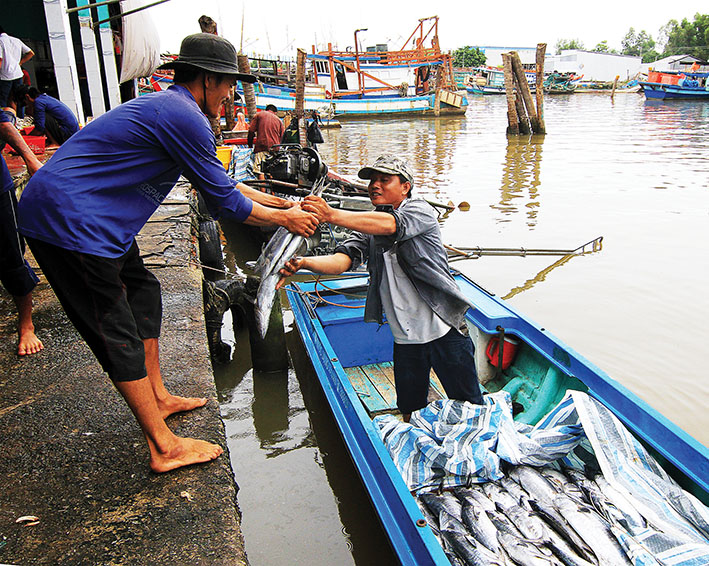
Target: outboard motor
{"x": 291, "y": 163}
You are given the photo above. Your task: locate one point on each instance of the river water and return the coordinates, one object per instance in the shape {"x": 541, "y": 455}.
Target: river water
{"x": 632, "y": 171}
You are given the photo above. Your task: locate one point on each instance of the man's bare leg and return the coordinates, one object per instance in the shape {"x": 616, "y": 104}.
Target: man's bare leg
{"x": 167, "y": 451}
{"x": 167, "y": 403}
{"x": 28, "y": 341}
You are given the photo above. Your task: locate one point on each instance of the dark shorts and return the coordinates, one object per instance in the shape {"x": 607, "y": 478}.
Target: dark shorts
{"x": 115, "y": 304}
{"x": 55, "y": 129}
{"x": 452, "y": 357}
{"x": 16, "y": 274}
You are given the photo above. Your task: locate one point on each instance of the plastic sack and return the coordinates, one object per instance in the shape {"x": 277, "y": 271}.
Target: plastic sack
{"x": 141, "y": 42}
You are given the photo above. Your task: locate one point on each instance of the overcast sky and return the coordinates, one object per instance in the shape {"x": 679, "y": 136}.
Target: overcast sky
{"x": 277, "y": 27}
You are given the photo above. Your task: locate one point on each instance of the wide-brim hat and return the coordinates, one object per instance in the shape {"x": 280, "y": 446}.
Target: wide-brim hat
{"x": 211, "y": 53}
{"x": 389, "y": 164}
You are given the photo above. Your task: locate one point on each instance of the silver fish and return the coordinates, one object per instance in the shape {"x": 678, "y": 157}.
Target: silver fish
{"x": 631, "y": 515}
{"x": 594, "y": 530}
{"x": 523, "y": 553}
{"x": 480, "y": 526}
{"x": 564, "y": 552}
{"x": 274, "y": 256}
{"x": 266, "y": 294}
{"x": 517, "y": 491}
{"x": 558, "y": 524}
{"x": 463, "y": 545}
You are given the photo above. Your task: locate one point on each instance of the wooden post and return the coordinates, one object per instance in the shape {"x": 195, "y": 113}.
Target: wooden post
{"x": 541, "y": 50}
{"x": 512, "y": 119}
{"x": 615, "y": 84}
{"x": 437, "y": 97}
{"x": 523, "y": 90}
{"x": 229, "y": 111}
{"x": 524, "y": 127}
{"x": 300, "y": 97}
{"x": 249, "y": 92}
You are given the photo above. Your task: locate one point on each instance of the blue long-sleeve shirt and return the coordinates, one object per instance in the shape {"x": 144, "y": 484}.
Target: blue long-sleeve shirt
{"x": 5, "y": 178}
{"x": 101, "y": 187}
{"x": 45, "y": 104}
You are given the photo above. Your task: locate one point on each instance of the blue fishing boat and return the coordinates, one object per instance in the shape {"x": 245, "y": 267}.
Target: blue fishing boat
{"x": 676, "y": 85}
{"x": 352, "y": 360}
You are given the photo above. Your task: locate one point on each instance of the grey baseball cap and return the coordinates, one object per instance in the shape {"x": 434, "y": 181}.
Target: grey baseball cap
{"x": 389, "y": 164}
{"x": 211, "y": 53}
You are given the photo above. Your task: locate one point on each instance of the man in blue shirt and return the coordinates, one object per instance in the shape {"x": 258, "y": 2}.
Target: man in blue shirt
{"x": 15, "y": 273}
{"x": 52, "y": 117}
{"x": 82, "y": 211}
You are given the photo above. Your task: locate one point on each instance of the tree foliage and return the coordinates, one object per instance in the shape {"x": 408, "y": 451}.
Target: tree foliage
{"x": 564, "y": 44}
{"x": 687, "y": 37}
{"x": 602, "y": 47}
{"x": 639, "y": 44}
{"x": 468, "y": 57}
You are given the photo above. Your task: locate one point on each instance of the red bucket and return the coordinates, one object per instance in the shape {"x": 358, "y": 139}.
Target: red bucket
{"x": 509, "y": 351}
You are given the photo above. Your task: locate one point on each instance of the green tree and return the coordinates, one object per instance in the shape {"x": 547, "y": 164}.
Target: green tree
{"x": 640, "y": 45}
{"x": 468, "y": 57}
{"x": 602, "y": 47}
{"x": 687, "y": 37}
{"x": 563, "y": 44}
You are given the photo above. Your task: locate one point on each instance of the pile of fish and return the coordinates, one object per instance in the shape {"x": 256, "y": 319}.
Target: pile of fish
{"x": 282, "y": 246}
{"x": 532, "y": 517}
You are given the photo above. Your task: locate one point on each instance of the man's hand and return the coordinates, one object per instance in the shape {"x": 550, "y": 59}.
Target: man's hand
{"x": 289, "y": 269}
{"x": 292, "y": 266}
{"x": 33, "y": 165}
{"x": 300, "y": 222}
{"x": 319, "y": 207}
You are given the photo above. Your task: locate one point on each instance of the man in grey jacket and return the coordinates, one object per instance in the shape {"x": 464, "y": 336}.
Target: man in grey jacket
{"x": 410, "y": 282}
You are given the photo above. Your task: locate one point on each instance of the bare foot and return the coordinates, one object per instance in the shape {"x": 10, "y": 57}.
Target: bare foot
{"x": 29, "y": 343}
{"x": 185, "y": 452}
{"x": 173, "y": 404}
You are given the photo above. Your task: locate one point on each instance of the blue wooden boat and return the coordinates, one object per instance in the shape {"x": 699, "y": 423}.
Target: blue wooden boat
{"x": 352, "y": 360}
{"x": 676, "y": 85}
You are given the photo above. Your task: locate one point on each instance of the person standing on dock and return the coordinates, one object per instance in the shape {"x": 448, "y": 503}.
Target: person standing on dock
{"x": 268, "y": 129}
{"x": 15, "y": 273}
{"x": 410, "y": 282}
{"x": 80, "y": 215}
{"x": 13, "y": 54}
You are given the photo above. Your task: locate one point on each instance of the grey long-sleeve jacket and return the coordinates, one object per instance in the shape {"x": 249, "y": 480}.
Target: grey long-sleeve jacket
{"x": 421, "y": 255}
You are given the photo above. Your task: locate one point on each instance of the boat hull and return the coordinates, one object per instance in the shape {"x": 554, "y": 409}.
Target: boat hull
{"x": 362, "y": 107}
{"x": 658, "y": 91}
{"x": 339, "y": 339}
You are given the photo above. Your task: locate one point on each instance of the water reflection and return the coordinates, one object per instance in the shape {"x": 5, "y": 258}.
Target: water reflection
{"x": 520, "y": 178}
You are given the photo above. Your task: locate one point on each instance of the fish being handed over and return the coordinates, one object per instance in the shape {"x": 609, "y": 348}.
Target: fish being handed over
{"x": 280, "y": 249}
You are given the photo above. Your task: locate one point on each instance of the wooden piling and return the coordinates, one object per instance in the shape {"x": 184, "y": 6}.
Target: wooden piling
{"x": 615, "y": 85}
{"x": 523, "y": 91}
{"x": 300, "y": 97}
{"x": 437, "y": 98}
{"x": 249, "y": 92}
{"x": 541, "y": 51}
{"x": 512, "y": 119}
{"x": 524, "y": 122}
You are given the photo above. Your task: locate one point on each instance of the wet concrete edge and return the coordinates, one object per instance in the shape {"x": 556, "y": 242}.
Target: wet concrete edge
{"x": 72, "y": 454}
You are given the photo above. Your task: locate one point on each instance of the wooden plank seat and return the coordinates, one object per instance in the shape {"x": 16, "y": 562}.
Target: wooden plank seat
{"x": 374, "y": 385}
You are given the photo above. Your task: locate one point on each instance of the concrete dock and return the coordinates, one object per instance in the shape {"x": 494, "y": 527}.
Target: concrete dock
{"x": 72, "y": 454}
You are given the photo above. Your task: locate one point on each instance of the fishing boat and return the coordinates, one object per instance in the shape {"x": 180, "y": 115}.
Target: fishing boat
{"x": 679, "y": 85}
{"x": 352, "y": 360}
{"x": 560, "y": 83}
{"x": 488, "y": 80}
{"x": 416, "y": 79}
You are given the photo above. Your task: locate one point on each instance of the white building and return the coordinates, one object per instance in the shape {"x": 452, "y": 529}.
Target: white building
{"x": 594, "y": 66}
{"x": 528, "y": 55}
{"x": 676, "y": 63}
